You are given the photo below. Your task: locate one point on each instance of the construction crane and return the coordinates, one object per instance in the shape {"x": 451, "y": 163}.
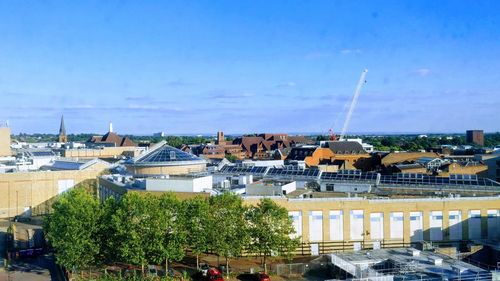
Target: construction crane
{"x": 353, "y": 103}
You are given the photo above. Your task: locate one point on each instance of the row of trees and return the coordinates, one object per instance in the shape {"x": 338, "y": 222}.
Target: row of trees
{"x": 415, "y": 143}
{"x": 148, "y": 229}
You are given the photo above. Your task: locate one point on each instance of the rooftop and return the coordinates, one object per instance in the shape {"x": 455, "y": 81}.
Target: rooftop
{"x": 73, "y": 164}
{"x": 345, "y": 147}
{"x": 406, "y": 264}
{"x": 163, "y": 154}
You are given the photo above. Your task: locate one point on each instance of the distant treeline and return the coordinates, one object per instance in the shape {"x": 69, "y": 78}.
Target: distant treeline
{"x": 416, "y": 143}
{"x": 385, "y": 143}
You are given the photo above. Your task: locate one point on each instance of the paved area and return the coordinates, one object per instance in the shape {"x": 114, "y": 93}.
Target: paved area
{"x": 39, "y": 269}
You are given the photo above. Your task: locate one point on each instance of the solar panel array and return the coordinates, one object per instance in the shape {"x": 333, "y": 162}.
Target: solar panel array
{"x": 350, "y": 172}
{"x": 454, "y": 177}
{"x": 308, "y": 173}
{"x": 358, "y": 176}
{"x": 243, "y": 170}
{"x": 409, "y": 176}
{"x": 431, "y": 180}
{"x": 42, "y": 153}
{"x": 413, "y": 179}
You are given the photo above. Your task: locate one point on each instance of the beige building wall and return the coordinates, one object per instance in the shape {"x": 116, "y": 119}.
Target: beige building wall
{"x": 105, "y": 152}
{"x": 387, "y": 206}
{"x": 5, "y": 141}
{"x": 167, "y": 170}
{"x": 25, "y": 192}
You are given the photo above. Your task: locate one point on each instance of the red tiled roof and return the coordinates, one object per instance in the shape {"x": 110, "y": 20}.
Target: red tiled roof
{"x": 112, "y": 137}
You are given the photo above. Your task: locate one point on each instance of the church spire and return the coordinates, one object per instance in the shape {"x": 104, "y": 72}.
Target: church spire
{"x": 62, "y": 131}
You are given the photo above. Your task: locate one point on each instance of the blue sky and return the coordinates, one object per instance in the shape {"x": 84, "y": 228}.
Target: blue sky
{"x": 249, "y": 66}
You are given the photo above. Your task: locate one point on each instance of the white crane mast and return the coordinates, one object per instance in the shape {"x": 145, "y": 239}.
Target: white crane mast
{"x": 353, "y": 103}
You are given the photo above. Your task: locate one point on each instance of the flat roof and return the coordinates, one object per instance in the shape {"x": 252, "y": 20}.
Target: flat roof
{"x": 401, "y": 262}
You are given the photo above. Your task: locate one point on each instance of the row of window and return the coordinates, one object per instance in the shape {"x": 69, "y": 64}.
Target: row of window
{"x": 375, "y": 230}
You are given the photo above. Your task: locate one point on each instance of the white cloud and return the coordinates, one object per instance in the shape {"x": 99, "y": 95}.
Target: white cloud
{"x": 224, "y": 94}
{"x": 350, "y": 51}
{"x": 422, "y": 72}
{"x": 289, "y": 84}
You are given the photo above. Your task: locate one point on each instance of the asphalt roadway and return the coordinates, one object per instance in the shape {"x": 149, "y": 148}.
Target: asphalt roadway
{"x": 41, "y": 268}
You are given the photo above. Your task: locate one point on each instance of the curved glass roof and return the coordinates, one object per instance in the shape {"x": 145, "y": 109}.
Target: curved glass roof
{"x": 167, "y": 154}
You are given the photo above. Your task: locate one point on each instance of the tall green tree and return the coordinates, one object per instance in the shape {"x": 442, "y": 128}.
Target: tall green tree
{"x": 171, "y": 230}
{"x": 131, "y": 223}
{"x": 107, "y": 243}
{"x": 229, "y": 234}
{"x": 197, "y": 224}
{"x": 270, "y": 230}
{"x": 73, "y": 229}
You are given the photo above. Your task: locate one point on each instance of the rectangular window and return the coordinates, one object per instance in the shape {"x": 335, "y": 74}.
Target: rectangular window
{"x": 356, "y": 227}
{"x": 396, "y": 225}
{"x": 315, "y": 226}
{"x": 436, "y": 225}
{"x": 377, "y": 226}
{"x": 336, "y": 225}
{"x": 416, "y": 226}
{"x": 296, "y": 217}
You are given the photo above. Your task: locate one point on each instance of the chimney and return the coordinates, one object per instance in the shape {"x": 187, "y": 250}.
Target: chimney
{"x": 110, "y": 127}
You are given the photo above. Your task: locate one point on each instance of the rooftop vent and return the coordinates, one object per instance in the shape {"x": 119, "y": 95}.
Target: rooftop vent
{"x": 414, "y": 252}
{"x": 436, "y": 260}
{"x": 458, "y": 268}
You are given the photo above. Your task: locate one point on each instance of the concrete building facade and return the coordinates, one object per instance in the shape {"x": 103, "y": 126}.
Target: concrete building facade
{"x": 180, "y": 184}
{"x": 103, "y": 152}
{"x": 396, "y": 221}
{"x": 26, "y": 193}
{"x": 4, "y": 141}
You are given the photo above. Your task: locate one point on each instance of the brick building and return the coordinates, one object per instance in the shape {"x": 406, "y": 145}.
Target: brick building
{"x": 475, "y": 136}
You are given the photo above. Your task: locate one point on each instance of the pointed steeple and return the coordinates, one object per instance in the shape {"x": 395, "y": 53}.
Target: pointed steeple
{"x": 62, "y": 129}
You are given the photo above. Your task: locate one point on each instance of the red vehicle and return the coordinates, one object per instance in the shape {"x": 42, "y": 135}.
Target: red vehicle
{"x": 262, "y": 277}
{"x": 213, "y": 275}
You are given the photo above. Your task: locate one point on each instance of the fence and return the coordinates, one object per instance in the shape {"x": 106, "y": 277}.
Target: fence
{"x": 329, "y": 247}
{"x": 291, "y": 270}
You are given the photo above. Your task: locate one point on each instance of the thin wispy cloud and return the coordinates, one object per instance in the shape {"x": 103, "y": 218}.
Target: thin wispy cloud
{"x": 286, "y": 85}
{"x": 221, "y": 95}
{"x": 179, "y": 83}
{"x": 350, "y": 51}
{"x": 137, "y": 98}
{"x": 422, "y": 72}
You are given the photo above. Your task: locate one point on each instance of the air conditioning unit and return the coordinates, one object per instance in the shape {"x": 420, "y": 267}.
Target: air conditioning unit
{"x": 414, "y": 252}
{"x": 436, "y": 260}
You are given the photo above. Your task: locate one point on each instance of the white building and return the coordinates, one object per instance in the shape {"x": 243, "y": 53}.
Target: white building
{"x": 180, "y": 184}
{"x": 159, "y": 134}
